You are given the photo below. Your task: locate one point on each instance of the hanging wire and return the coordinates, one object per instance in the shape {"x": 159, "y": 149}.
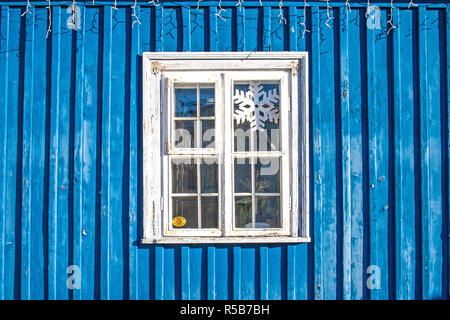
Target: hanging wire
{"x": 303, "y": 23}
{"x": 391, "y": 17}
{"x": 49, "y": 28}
{"x": 239, "y": 4}
{"x": 134, "y": 15}
{"x": 369, "y": 10}
{"x": 347, "y": 4}
{"x": 411, "y": 3}
{"x": 280, "y": 15}
{"x": 218, "y": 14}
{"x": 328, "y": 14}
{"x": 26, "y": 9}
{"x": 74, "y": 17}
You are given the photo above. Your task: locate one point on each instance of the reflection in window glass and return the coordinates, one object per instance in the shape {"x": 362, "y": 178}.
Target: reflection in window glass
{"x": 267, "y": 175}
{"x": 256, "y": 116}
{"x": 185, "y": 134}
{"x": 207, "y": 103}
{"x": 267, "y": 212}
{"x": 257, "y": 185}
{"x": 184, "y": 176}
{"x": 243, "y": 212}
{"x": 186, "y": 207}
{"x": 209, "y": 212}
{"x": 194, "y": 125}
{"x": 185, "y": 102}
{"x": 195, "y": 185}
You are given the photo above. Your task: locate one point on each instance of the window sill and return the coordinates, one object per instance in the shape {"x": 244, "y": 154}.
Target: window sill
{"x": 217, "y": 240}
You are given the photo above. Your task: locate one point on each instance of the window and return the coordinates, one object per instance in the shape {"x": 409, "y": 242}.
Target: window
{"x": 225, "y": 147}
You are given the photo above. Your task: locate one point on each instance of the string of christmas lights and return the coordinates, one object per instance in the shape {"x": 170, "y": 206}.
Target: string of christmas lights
{"x": 239, "y": 3}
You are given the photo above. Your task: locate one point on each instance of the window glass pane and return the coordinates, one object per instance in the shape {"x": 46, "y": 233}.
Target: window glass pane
{"x": 242, "y": 136}
{"x": 207, "y": 102}
{"x": 184, "y": 134}
{"x": 210, "y": 212}
{"x": 185, "y": 207}
{"x": 267, "y": 175}
{"x": 256, "y": 116}
{"x": 242, "y": 175}
{"x": 208, "y": 133}
{"x": 185, "y": 102}
{"x": 209, "y": 175}
{"x": 267, "y": 212}
{"x": 243, "y": 212}
{"x": 184, "y": 176}
{"x": 268, "y": 139}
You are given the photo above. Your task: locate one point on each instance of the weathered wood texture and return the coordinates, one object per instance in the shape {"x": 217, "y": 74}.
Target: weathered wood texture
{"x": 71, "y": 160}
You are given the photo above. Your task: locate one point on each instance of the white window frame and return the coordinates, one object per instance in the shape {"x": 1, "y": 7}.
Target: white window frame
{"x": 160, "y": 72}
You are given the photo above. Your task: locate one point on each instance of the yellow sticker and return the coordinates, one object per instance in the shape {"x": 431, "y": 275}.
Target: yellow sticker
{"x": 179, "y": 221}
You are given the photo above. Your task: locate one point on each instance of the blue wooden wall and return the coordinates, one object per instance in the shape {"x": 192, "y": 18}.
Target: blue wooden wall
{"x": 71, "y": 152}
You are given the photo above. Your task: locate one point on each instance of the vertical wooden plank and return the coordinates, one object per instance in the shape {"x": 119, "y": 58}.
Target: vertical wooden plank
{"x": 159, "y": 272}
{"x": 186, "y": 27}
{"x": 240, "y": 29}
{"x": 197, "y": 272}
{"x": 237, "y": 274}
{"x": 404, "y": 154}
{"x": 447, "y": 32}
{"x": 276, "y": 272}
{"x": 292, "y": 284}
{"x": 211, "y": 293}
{"x": 251, "y": 28}
{"x": 158, "y": 28}
{"x": 226, "y": 29}
{"x": 324, "y": 157}
{"x": 378, "y": 145}
{"x": 352, "y": 172}
{"x": 248, "y": 273}
{"x": 58, "y": 218}
{"x": 279, "y": 34}
{"x": 38, "y": 156}
{"x": 263, "y": 273}
{"x": 185, "y": 273}
{"x": 224, "y": 273}
{"x": 133, "y": 216}
{"x": 213, "y": 28}
{"x": 172, "y": 28}
{"x": 26, "y": 149}
{"x": 431, "y": 168}
{"x": 86, "y": 182}
{"x": 171, "y": 274}
{"x": 139, "y": 279}
{"x": 297, "y": 254}
{"x": 4, "y": 25}
{"x": 294, "y": 31}
{"x": 81, "y": 207}
{"x": 115, "y": 158}
{"x": 105, "y": 228}
{"x": 266, "y": 38}
{"x": 198, "y": 27}
{"x": 11, "y": 30}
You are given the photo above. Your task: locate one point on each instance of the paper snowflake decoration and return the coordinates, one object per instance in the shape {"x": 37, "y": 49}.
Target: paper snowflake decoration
{"x": 256, "y": 106}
